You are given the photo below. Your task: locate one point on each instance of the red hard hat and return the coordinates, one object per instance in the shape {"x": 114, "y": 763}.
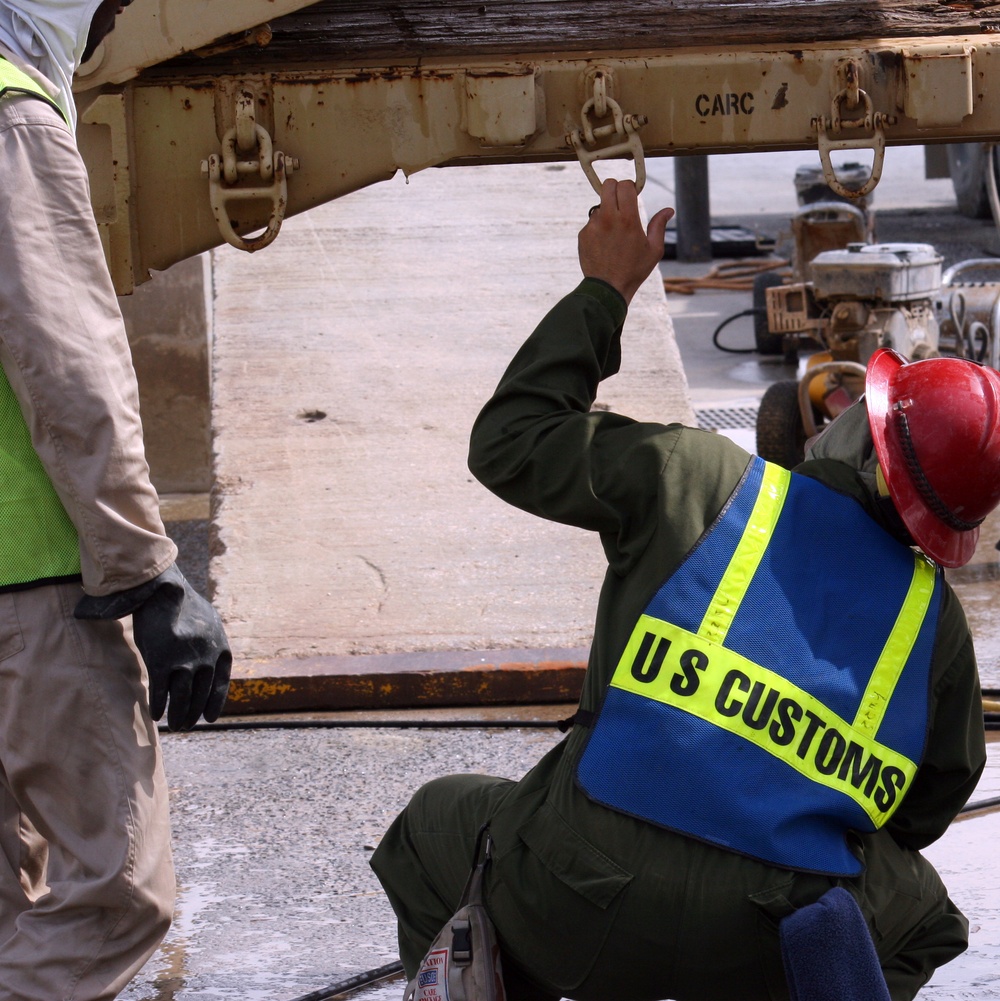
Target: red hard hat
{"x": 936, "y": 428}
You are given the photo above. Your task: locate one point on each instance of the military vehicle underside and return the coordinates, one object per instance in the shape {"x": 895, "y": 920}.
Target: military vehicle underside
{"x": 240, "y": 130}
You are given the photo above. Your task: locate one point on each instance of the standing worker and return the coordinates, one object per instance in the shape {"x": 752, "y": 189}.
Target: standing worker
{"x": 782, "y": 696}
{"x": 86, "y": 877}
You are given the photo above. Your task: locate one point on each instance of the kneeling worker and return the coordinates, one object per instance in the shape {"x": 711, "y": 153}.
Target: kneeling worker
{"x": 782, "y": 694}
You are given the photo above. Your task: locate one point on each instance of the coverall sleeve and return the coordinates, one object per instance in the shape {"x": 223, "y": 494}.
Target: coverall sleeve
{"x": 956, "y": 749}
{"x": 64, "y": 349}
{"x": 538, "y": 446}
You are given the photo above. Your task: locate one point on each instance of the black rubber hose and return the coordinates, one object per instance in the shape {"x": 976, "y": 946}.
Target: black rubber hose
{"x": 983, "y": 804}
{"x": 354, "y": 983}
{"x": 991, "y": 722}
{"x": 370, "y": 724}
{"x": 725, "y": 323}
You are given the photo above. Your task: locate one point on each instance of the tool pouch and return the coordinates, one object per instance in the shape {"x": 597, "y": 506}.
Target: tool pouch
{"x": 463, "y": 962}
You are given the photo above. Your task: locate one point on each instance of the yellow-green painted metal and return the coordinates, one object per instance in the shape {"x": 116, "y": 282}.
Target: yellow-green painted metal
{"x": 348, "y": 126}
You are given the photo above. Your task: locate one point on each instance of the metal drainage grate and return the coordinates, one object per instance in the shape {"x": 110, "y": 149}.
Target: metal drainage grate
{"x": 726, "y": 418}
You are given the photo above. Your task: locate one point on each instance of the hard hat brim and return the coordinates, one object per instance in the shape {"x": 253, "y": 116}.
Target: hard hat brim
{"x": 943, "y": 544}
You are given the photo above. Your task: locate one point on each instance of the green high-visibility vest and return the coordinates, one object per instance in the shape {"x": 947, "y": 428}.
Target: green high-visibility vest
{"x": 38, "y": 542}
{"x": 16, "y": 81}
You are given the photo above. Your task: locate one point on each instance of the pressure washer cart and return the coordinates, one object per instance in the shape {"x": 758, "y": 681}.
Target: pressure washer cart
{"x": 857, "y": 299}
{"x": 815, "y": 227}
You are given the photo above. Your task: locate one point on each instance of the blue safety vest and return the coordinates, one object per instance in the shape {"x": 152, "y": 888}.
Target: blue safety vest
{"x": 774, "y": 693}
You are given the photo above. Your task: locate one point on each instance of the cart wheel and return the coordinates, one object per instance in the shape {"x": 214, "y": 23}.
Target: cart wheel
{"x": 781, "y": 438}
{"x": 767, "y": 343}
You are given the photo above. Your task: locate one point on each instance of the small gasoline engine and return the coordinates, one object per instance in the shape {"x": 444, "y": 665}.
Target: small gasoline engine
{"x": 856, "y": 300}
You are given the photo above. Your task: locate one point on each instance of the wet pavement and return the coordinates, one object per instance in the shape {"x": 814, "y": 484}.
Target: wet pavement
{"x": 273, "y": 831}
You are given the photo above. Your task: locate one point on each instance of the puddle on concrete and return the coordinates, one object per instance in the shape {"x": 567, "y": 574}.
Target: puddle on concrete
{"x": 968, "y": 864}
{"x": 390, "y": 991}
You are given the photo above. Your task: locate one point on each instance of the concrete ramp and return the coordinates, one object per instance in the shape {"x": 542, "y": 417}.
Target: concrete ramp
{"x": 350, "y": 360}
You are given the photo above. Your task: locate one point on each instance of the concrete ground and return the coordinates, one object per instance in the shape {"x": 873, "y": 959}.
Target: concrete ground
{"x": 351, "y": 359}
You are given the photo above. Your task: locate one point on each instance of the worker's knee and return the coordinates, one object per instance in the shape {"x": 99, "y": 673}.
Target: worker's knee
{"x": 436, "y": 831}
{"x": 462, "y": 802}
{"x": 915, "y": 926}
{"x": 450, "y": 808}
{"x": 152, "y": 914}
{"x": 151, "y": 889}
{"x": 426, "y": 855}
{"x": 942, "y": 936}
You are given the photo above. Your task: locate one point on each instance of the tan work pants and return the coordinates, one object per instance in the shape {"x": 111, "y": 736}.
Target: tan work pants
{"x": 86, "y": 877}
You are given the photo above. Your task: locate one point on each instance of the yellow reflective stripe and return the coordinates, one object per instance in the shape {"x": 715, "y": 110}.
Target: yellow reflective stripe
{"x": 679, "y": 668}
{"x": 898, "y": 646}
{"x": 760, "y": 527}
{"x": 12, "y": 78}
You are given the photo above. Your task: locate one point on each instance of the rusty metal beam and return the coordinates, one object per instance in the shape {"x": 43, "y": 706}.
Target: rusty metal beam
{"x": 393, "y": 681}
{"x": 348, "y": 126}
{"x": 363, "y": 31}
{"x": 153, "y": 31}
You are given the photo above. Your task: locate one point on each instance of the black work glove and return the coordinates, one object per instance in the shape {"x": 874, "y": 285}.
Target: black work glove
{"x": 182, "y": 641}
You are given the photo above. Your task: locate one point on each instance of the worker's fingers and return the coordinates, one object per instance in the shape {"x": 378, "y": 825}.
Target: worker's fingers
{"x": 609, "y": 198}
{"x": 656, "y": 230}
{"x": 614, "y": 246}
{"x": 220, "y": 687}
{"x": 158, "y": 692}
{"x": 180, "y": 700}
{"x": 627, "y": 198}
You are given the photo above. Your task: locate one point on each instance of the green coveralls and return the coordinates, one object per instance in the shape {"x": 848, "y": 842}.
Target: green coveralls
{"x": 592, "y": 904}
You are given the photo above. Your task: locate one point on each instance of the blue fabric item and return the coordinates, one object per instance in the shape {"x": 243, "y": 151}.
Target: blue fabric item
{"x": 828, "y": 953}
{"x": 652, "y": 758}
